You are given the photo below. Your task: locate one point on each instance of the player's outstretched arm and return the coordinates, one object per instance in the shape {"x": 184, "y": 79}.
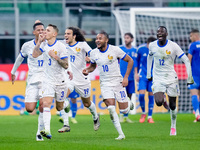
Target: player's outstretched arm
{"x": 89, "y": 69}
{"x": 149, "y": 65}
{"x": 128, "y": 70}
{"x": 17, "y": 63}
{"x": 36, "y": 51}
{"x": 185, "y": 59}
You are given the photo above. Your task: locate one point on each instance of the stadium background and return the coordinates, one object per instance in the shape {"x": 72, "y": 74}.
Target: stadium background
{"x": 92, "y": 16}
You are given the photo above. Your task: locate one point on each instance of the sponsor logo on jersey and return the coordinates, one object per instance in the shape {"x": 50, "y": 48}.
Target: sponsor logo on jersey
{"x": 168, "y": 52}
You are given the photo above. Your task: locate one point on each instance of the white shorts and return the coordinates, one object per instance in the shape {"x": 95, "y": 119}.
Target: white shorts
{"x": 33, "y": 92}
{"x": 171, "y": 89}
{"x": 59, "y": 92}
{"x": 117, "y": 92}
{"x": 83, "y": 90}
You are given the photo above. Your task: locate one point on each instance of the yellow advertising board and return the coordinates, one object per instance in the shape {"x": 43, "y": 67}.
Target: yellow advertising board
{"x": 12, "y": 99}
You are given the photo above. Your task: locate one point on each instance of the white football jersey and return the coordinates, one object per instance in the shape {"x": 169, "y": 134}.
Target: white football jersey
{"x": 108, "y": 64}
{"x": 76, "y": 56}
{"x": 164, "y": 57}
{"x": 54, "y": 73}
{"x": 35, "y": 65}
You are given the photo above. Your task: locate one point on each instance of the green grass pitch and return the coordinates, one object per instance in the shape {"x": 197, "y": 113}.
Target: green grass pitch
{"x": 18, "y": 132}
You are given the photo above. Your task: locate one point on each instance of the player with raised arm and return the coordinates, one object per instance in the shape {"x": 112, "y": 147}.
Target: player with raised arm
{"x": 130, "y": 89}
{"x": 144, "y": 84}
{"x": 34, "y": 79}
{"x": 194, "y": 57}
{"x": 106, "y": 57}
{"x": 54, "y": 82}
{"x": 77, "y": 50}
{"x": 165, "y": 79}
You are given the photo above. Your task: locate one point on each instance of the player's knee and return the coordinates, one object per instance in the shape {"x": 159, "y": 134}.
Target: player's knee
{"x": 172, "y": 106}
{"x": 30, "y": 107}
{"x": 158, "y": 102}
{"x": 30, "y": 110}
{"x": 87, "y": 104}
{"x": 59, "y": 108}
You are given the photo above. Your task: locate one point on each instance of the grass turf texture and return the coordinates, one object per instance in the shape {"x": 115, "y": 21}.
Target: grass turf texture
{"x": 18, "y": 132}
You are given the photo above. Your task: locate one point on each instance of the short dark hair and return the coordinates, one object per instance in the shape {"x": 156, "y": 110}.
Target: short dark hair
{"x": 37, "y": 24}
{"x": 163, "y": 27}
{"x": 104, "y": 33}
{"x": 151, "y": 39}
{"x": 194, "y": 31}
{"x": 79, "y": 34}
{"x": 54, "y": 27}
{"x": 129, "y": 34}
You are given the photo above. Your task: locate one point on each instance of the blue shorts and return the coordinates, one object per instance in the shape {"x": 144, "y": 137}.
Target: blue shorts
{"x": 74, "y": 94}
{"x": 131, "y": 87}
{"x": 196, "y": 84}
{"x": 145, "y": 84}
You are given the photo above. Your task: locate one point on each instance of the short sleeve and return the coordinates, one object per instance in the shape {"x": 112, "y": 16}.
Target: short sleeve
{"x": 191, "y": 49}
{"x": 86, "y": 47}
{"x": 63, "y": 51}
{"x": 42, "y": 46}
{"x": 92, "y": 57}
{"x": 179, "y": 51}
{"x": 120, "y": 53}
{"x": 24, "y": 50}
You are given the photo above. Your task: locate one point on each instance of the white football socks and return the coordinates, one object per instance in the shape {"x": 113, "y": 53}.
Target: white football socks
{"x": 65, "y": 117}
{"x": 115, "y": 119}
{"x": 40, "y": 123}
{"x": 173, "y": 114}
{"x": 46, "y": 118}
{"x": 93, "y": 111}
{"x": 196, "y": 113}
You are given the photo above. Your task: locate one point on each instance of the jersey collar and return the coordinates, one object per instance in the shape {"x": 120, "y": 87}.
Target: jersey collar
{"x": 105, "y": 50}
{"x": 163, "y": 45}
{"x": 73, "y": 45}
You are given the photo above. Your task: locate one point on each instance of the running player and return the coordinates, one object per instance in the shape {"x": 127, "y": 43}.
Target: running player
{"x": 35, "y": 73}
{"x": 165, "y": 79}
{"x": 112, "y": 83}
{"x": 77, "y": 50}
{"x": 54, "y": 82}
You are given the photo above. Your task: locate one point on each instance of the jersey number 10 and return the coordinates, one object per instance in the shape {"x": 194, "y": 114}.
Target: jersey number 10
{"x": 105, "y": 68}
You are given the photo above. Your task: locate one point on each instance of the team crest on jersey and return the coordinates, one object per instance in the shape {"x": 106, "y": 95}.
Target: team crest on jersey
{"x": 78, "y": 50}
{"x": 110, "y": 58}
{"x": 168, "y": 52}
{"x": 55, "y": 52}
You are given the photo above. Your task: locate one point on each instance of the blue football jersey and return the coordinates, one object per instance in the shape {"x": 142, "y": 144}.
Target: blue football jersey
{"x": 194, "y": 50}
{"x": 123, "y": 64}
{"x": 142, "y": 54}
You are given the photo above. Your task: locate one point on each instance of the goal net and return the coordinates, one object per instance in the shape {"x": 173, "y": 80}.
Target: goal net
{"x": 143, "y": 22}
